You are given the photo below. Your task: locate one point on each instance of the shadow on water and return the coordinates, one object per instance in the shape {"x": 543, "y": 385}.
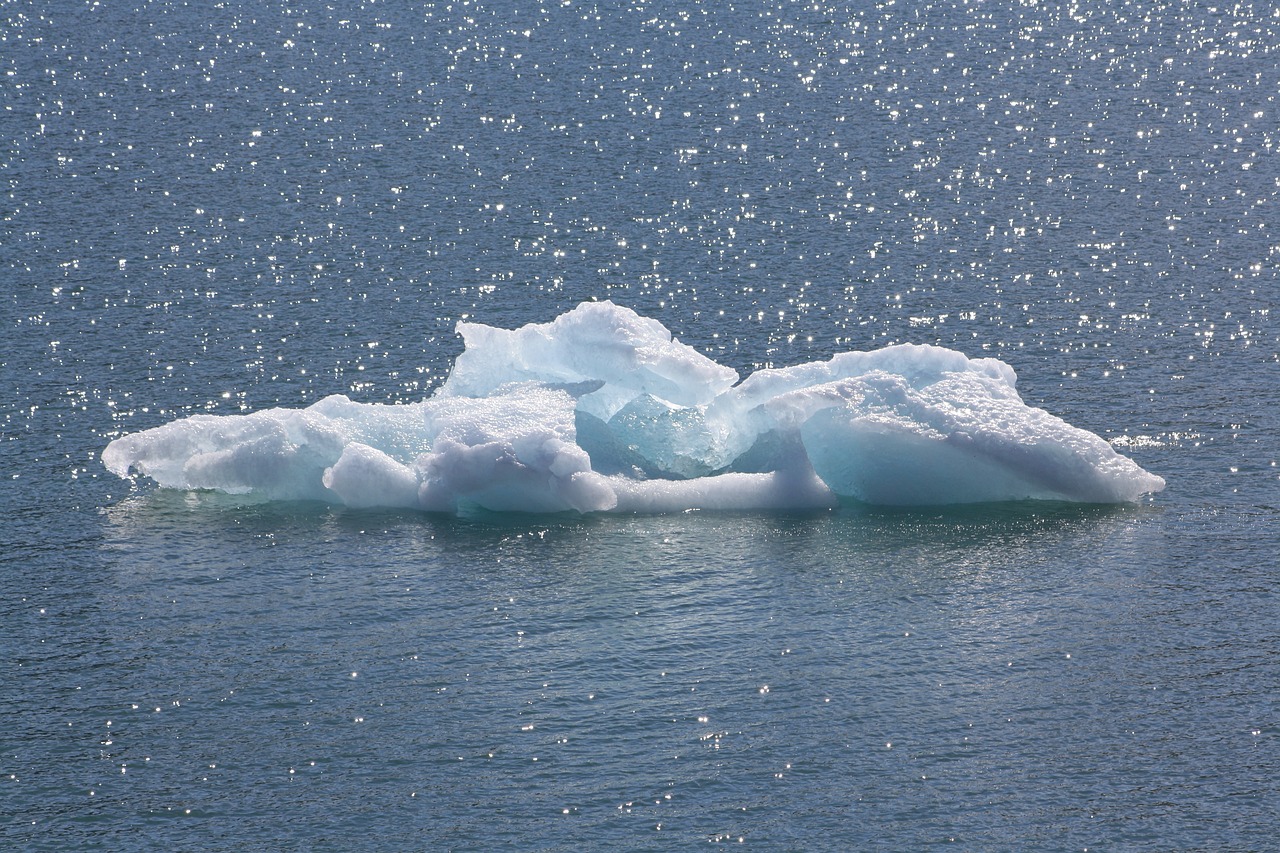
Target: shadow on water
{"x": 164, "y": 506}
{"x": 976, "y": 521}
{"x": 852, "y": 536}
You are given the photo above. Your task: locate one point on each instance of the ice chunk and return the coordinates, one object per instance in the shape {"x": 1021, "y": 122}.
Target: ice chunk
{"x": 278, "y": 453}
{"x": 365, "y": 477}
{"x": 509, "y": 452}
{"x": 777, "y": 490}
{"x": 600, "y": 410}
{"x": 554, "y": 476}
{"x": 664, "y": 440}
{"x": 747, "y": 416}
{"x": 628, "y": 354}
{"x": 965, "y": 438}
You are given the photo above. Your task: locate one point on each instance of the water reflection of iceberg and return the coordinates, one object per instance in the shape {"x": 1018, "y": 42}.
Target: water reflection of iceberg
{"x": 601, "y": 410}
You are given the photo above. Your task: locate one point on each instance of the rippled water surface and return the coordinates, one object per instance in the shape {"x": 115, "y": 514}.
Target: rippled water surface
{"x": 230, "y": 206}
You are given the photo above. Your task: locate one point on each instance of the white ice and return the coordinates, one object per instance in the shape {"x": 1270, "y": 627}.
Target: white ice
{"x": 602, "y": 410}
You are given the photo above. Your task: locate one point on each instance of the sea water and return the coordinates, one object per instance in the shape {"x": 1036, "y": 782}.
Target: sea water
{"x": 228, "y": 208}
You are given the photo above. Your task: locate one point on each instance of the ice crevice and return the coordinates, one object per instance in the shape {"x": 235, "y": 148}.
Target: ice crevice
{"x": 602, "y": 410}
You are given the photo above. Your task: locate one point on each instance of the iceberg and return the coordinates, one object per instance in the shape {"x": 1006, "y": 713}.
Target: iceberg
{"x": 602, "y": 410}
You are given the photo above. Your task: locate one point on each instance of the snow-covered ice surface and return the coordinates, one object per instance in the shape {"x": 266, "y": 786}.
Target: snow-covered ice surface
{"x": 602, "y": 410}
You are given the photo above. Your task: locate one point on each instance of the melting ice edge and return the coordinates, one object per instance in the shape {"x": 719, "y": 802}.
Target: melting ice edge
{"x": 601, "y": 410}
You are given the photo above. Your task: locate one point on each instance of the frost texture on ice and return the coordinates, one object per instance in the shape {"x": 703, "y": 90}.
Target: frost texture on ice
{"x": 602, "y": 410}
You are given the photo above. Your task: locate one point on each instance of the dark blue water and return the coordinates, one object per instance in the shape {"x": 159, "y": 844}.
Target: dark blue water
{"x": 226, "y": 207}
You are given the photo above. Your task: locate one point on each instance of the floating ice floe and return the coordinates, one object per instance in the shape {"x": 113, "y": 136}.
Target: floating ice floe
{"x": 602, "y": 410}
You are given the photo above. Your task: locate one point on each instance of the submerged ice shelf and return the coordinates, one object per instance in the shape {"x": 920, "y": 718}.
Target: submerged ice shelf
{"x": 601, "y": 410}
